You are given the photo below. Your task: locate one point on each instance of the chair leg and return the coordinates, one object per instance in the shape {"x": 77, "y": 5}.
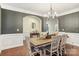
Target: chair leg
{"x": 64, "y": 50}
{"x": 50, "y": 53}
{"x": 40, "y": 53}
{"x": 44, "y": 52}
{"x": 57, "y": 52}
{"x": 61, "y": 51}
{"x": 32, "y": 55}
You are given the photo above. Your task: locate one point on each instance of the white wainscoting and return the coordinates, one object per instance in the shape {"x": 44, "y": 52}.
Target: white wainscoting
{"x": 11, "y": 40}
{"x": 14, "y": 40}
{"x": 73, "y": 38}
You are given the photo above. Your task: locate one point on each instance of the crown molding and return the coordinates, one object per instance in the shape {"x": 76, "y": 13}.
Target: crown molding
{"x": 69, "y": 12}
{"x": 8, "y": 7}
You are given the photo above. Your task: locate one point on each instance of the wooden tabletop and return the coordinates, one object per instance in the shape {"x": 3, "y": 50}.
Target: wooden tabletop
{"x": 40, "y": 41}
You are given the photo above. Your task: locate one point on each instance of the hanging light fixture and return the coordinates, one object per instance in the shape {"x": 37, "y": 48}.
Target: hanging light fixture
{"x": 52, "y": 13}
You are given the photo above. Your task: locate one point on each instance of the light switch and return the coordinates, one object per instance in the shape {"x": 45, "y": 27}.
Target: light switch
{"x": 17, "y": 30}
{"x": 62, "y": 29}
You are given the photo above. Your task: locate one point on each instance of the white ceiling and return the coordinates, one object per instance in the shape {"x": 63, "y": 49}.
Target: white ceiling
{"x": 43, "y": 8}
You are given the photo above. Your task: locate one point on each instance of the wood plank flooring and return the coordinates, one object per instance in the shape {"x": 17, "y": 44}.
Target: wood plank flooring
{"x": 18, "y": 51}
{"x": 72, "y": 50}
{"x": 21, "y": 51}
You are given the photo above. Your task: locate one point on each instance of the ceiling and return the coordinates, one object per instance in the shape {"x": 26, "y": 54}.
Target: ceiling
{"x": 43, "y": 8}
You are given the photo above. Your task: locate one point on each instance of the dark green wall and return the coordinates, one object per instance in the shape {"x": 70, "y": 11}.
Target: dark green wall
{"x": 70, "y": 22}
{"x": 44, "y": 27}
{"x": 11, "y": 20}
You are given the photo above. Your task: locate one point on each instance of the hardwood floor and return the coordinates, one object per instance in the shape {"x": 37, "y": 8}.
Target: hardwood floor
{"x": 21, "y": 51}
{"x": 18, "y": 51}
{"x": 72, "y": 50}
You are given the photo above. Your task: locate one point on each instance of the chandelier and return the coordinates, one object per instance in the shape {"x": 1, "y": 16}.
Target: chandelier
{"x": 52, "y": 13}
{"x": 52, "y": 17}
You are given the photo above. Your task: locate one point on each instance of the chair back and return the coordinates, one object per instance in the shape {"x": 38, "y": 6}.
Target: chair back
{"x": 55, "y": 41}
{"x": 64, "y": 38}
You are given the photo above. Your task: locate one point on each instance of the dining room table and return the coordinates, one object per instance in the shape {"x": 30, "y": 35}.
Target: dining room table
{"x": 40, "y": 42}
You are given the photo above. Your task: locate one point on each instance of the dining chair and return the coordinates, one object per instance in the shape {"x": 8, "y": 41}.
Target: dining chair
{"x": 54, "y": 47}
{"x": 31, "y": 50}
{"x": 63, "y": 43}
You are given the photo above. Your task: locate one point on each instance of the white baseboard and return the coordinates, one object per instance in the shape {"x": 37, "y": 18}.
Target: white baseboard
{"x": 75, "y": 44}
{"x": 8, "y": 47}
